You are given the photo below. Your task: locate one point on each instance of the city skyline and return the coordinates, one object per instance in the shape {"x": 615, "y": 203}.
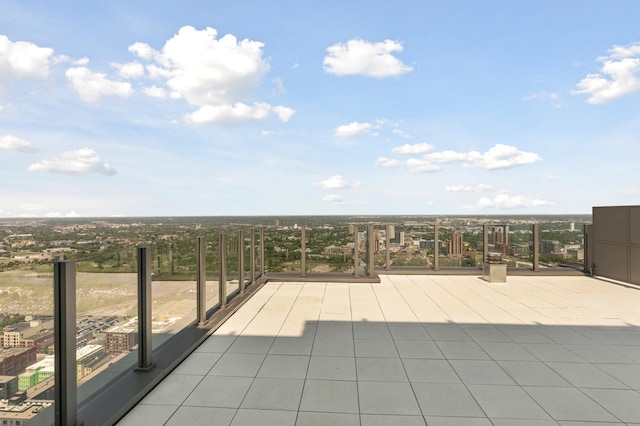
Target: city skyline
{"x": 329, "y": 109}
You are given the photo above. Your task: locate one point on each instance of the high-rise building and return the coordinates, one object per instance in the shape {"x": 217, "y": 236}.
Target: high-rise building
{"x": 455, "y": 244}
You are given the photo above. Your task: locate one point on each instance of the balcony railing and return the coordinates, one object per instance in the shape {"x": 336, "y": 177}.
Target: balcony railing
{"x": 150, "y": 307}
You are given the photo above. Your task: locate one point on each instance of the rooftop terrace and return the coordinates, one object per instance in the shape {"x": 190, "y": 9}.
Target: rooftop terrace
{"x": 434, "y": 349}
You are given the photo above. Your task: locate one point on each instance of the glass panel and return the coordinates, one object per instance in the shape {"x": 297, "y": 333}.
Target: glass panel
{"x": 26, "y": 320}
{"x": 107, "y": 316}
{"x": 213, "y": 267}
{"x": 173, "y": 289}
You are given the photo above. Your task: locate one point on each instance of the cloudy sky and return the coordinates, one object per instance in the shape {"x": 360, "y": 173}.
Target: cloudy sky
{"x": 257, "y": 108}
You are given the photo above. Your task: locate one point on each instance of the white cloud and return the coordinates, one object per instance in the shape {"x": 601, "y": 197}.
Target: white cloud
{"x": 551, "y": 97}
{"x": 23, "y": 59}
{"x": 419, "y": 148}
{"x": 130, "y": 69}
{"x": 462, "y": 188}
{"x": 80, "y": 162}
{"x": 388, "y": 162}
{"x": 92, "y": 85}
{"x": 359, "y": 57}
{"x": 155, "y": 92}
{"x": 332, "y": 182}
{"x": 505, "y": 201}
{"x": 14, "y": 143}
{"x": 71, "y": 213}
{"x": 417, "y": 165}
{"x": 619, "y": 76}
{"x": 400, "y": 133}
{"x": 502, "y": 157}
{"x": 217, "y": 75}
{"x": 447, "y": 156}
{"x": 270, "y": 132}
{"x": 352, "y": 129}
{"x": 334, "y": 199}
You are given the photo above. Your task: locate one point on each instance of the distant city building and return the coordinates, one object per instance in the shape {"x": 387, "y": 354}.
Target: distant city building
{"x": 398, "y": 236}
{"x": 551, "y": 247}
{"x": 8, "y": 386}
{"x": 455, "y": 244}
{"x": 276, "y": 223}
{"x": 15, "y": 360}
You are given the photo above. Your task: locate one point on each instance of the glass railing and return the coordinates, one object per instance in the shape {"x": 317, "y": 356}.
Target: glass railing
{"x": 106, "y": 318}
{"x": 107, "y": 279}
{"x": 173, "y": 288}
{"x": 26, "y": 321}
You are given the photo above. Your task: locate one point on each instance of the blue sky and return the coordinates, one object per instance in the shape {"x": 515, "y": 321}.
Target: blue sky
{"x": 287, "y": 108}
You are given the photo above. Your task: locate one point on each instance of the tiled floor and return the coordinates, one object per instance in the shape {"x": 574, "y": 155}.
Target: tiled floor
{"x": 415, "y": 350}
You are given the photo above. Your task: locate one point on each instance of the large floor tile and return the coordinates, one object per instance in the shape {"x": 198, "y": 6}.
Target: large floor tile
{"x": 380, "y": 370}
{"x": 198, "y": 363}
{"x": 144, "y": 415}
{"x": 387, "y": 398}
{"x": 323, "y": 419}
{"x": 430, "y": 371}
{"x": 532, "y": 373}
{"x": 569, "y": 404}
{"x": 336, "y": 396}
{"x": 624, "y": 404}
{"x": 385, "y": 420}
{"x": 274, "y": 394}
{"x": 284, "y": 366}
{"x": 418, "y": 349}
{"x": 500, "y": 351}
{"x": 457, "y": 421}
{"x": 462, "y": 350}
{"x": 446, "y": 399}
{"x": 173, "y": 390}
{"x": 480, "y": 372}
{"x": 219, "y": 391}
{"x": 509, "y": 402}
{"x": 376, "y": 348}
{"x": 231, "y": 364}
{"x": 332, "y": 368}
{"x": 583, "y": 375}
{"x": 201, "y": 416}
{"x": 247, "y": 417}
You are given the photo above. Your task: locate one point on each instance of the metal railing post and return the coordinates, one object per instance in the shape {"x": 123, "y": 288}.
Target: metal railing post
{"x": 536, "y": 248}
{"x": 587, "y": 263}
{"x": 64, "y": 300}
{"x": 388, "y": 247}
{"x": 436, "y": 248}
{"x": 222, "y": 284}
{"x": 145, "y": 347}
{"x": 253, "y": 255}
{"x": 262, "y": 250}
{"x": 241, "y": 260}
{"x": 356, "y": 250}
{"x": 370, "y": 250}
{"x": 485, "y": 242}
{"x": 303, "y": 252}
{"x": 201, "y": 279}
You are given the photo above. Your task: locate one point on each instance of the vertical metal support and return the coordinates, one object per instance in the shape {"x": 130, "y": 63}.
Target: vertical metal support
{"x": 222, "y": 283}
{"x": 64, "y": 300}
{"x": 356, "y": 250}
{"x": 303, "y": 252}
{"x": 436, "y": 248}
{"x": 241, "y": 260}
{"x": 485, "y": 242}
{"x": 387, "y": 244}
{"x": 201, "y": 279}
{"x": 145, "y": 345}
{"x": 253, "y": 255}
{"x": 371, "y": 241}
{"x": 262, "y": 250}
{"x": 536, "y": 248}
{"x": 588, "y": 264}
